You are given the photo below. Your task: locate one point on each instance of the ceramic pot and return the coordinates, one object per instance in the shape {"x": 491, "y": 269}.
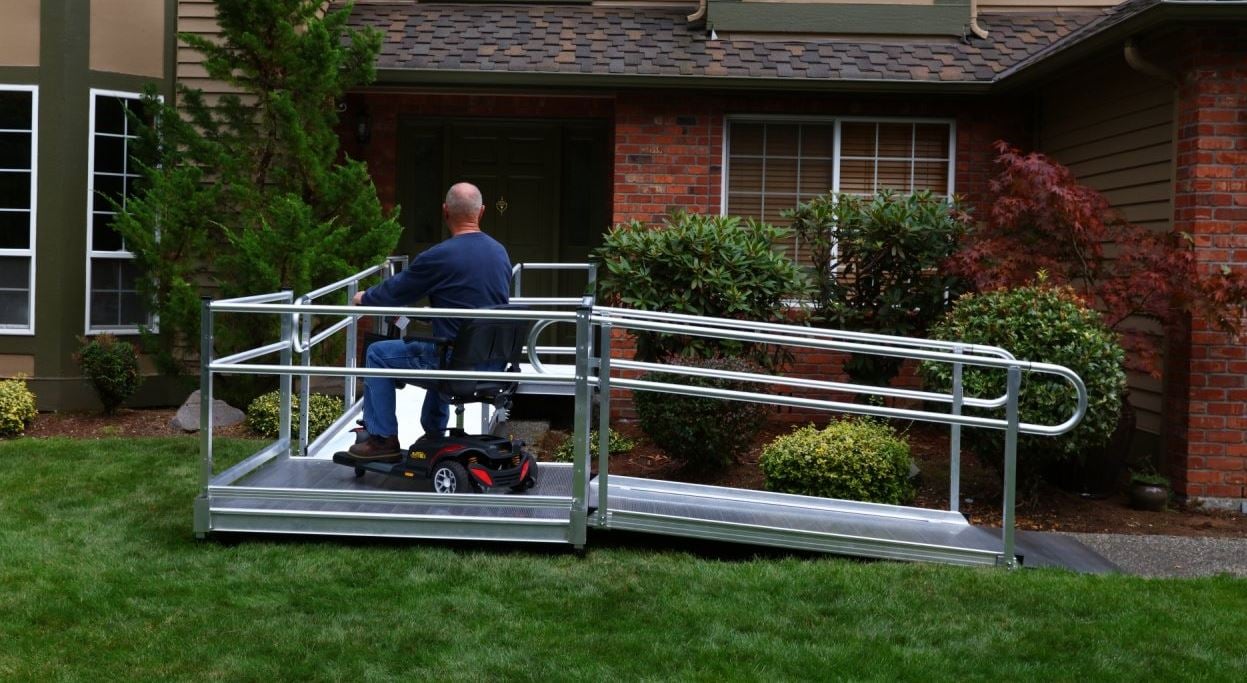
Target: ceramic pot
{"x": 1148, "y": 497}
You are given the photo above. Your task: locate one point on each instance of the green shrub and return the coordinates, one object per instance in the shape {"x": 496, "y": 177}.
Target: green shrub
{"x": 567, "y": 448}
{"x": 112, "y": 367}
{"x": 264, "y": 414}
{"x": 852, "y": 459}
{"x": 17, "y": 406}
{"x": 1043, "y": 324}
{"x": 701, "y": 265}
{"x": 704, "y": 432}
{"x": 877, "y": 265}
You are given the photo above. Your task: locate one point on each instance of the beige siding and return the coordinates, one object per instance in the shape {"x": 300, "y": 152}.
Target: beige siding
{"x": 19, "y": 33}
{"x": 12, "y": 365}
{"x": 197, "y": 17}
{"x": 1114, "y": 128}
{"x": 128, "y": 37}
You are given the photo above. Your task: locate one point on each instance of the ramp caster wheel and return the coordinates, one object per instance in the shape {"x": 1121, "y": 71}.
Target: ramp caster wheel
{"x": 359, "y": 472}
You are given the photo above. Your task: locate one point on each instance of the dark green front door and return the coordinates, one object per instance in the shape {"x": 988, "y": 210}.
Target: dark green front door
{"x": 545, "y": 185}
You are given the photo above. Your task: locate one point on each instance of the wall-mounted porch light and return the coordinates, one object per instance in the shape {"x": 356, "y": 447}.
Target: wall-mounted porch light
{"x": 363, "y": 126}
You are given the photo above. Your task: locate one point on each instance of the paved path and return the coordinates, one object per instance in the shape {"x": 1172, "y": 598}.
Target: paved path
{"x": 1170, "y": 556}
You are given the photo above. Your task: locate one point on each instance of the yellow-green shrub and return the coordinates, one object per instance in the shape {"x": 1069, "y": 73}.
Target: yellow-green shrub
{"x": 618, "y": 443}
{"x": 853, "y": 459}
{"x": 264, "y": 414}
{"x": 17, "y": 407}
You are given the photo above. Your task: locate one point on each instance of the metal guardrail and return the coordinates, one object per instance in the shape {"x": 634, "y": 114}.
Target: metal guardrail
{"x": 596, "y": 372}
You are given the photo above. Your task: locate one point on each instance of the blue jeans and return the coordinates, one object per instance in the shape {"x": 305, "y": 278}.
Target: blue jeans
{"x": 379, "y": 397}
{"x": 379, "y": 392}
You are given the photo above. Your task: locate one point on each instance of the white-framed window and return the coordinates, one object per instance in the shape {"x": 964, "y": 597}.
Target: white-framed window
{"x": 113, "y": 301}
{"x": 19, "y": 153}
{"x": 773, "y": 163}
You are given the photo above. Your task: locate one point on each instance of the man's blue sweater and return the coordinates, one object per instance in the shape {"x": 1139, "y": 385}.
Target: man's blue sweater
{"x": 471, "y": 270}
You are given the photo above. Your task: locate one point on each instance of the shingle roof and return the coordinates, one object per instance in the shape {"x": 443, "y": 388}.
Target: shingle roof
{"x": 659, "y": 42}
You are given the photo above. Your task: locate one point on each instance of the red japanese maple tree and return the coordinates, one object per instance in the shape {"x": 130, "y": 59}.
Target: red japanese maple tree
{"x": 1044, "y": 220}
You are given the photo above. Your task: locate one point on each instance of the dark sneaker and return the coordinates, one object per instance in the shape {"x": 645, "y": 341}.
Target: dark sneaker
{"x": 379, "y": 448}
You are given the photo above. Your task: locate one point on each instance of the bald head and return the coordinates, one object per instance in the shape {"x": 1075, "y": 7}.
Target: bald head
{"x": 463, "y": 205}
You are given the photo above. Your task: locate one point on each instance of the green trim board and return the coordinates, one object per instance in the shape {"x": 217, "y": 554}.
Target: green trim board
{"x": 944, "y": 17}
{"x": 19, "y": 75}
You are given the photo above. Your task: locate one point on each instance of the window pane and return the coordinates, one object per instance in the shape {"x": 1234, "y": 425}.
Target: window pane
{"x": 857, "y": 176}
{"x": 746, "y": 175}
{"x": 104, "y": 309}
{"x": 857, "y": 139}
{"x": 745, "y": 206}
{"x": 931, "y": 175}
{"x": 14, "y": 230}
{"x": 781, "y": 178}
{"x": 896, "y": 140}
{"x": 893, "y": 175}
{"x": 931, "y": 140}
{"x": 816, "y": 177}
{"x": 15, "y": 109}
{"x": 108, "y": 186}
{"x": 818, "y": 141}
{"x": 103, "y": 237}
{"x": 746, "y": 138}
{"x": 15, "y": 272}
{"x": 781, "y": 140}
{"x": 15, "y": 190}
{"x": 15, "y": 150}
{"x": 110, "y": 115}
{"x": 110, "y": 154}
{"x": 104, "y": 274}
{"x": 136, "y": 107}
{"x": 14, "y": 308}
{"x": 131, "y": 310}
{"x": 128, "y": 275}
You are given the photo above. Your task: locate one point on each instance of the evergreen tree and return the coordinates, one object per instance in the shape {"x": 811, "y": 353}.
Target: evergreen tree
{"x": 249, "y": 192}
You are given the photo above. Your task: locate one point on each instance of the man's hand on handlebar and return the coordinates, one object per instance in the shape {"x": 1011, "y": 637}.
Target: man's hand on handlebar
{"x": 359, "y": 299}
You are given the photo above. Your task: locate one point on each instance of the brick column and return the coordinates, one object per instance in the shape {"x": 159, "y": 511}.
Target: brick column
{"x": 1208, "y": 445}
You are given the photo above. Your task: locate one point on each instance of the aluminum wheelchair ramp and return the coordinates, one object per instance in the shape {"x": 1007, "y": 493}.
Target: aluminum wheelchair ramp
{"x": 318, "y": 497}
{"x": 792, "y": 521}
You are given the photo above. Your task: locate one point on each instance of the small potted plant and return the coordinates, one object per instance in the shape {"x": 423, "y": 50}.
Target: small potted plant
{"x": 1148, "y": 490}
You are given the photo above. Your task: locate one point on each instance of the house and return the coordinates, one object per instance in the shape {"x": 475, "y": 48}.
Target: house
{"x": 576, "y": 115}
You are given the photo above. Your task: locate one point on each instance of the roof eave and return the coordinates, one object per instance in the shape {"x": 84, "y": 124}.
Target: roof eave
{"x": 1163, "y": 14}
{"x": 442, "y": 78}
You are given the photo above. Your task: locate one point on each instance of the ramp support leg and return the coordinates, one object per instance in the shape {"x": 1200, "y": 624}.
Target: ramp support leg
{"x": 1011, "y": 465}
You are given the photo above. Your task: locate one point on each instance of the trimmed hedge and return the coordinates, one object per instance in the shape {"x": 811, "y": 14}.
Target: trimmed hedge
{"x": 112, "y": 367}
{"x": 704, "y": 432}
{"x": 852, "y": 459}
{"x": 264, "y": 414}
{"x": 1042, "y": 324}
{"x": 17, "y": 407}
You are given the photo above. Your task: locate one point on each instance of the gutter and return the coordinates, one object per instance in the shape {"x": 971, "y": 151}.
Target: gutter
{"x": 1164, "y": 14}
{"x": 559, "y": 79}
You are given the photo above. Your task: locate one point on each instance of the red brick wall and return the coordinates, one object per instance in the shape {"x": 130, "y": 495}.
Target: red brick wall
{"x": 1208, "y": 449}
{"x": 669, "y": 150}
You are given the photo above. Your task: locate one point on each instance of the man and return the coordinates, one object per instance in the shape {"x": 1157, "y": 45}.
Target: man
{"x": 468, "y": 270}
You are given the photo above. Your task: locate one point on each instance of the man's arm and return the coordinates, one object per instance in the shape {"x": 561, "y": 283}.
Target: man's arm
{"x": 407, "y": 287}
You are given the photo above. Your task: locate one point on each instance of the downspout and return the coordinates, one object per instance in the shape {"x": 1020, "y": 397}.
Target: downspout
{"x": 1137, "y": 62}
{"x": 974, "y": 20}
{"x": 700, "y": 14}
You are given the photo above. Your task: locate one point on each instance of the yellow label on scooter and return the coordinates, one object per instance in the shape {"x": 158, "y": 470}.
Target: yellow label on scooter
{"x": 418, "y": 455}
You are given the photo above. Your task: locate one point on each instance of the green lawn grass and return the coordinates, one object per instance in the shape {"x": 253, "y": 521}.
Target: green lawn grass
{"x": 102, "y": 579}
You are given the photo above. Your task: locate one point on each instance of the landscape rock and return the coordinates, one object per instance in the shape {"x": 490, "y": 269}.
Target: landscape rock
{"x": 223, "y": 414}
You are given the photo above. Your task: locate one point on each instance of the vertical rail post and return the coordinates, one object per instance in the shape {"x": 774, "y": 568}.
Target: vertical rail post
{"x": 583, "y": 420}
{"x": 305, "y": 384}
{"x": 1011, "y": 462}
{"x": 352, "y": 339}
{"x": 286, "y": 383}
{"x": 202, "y": 514}
{"x": 954, "y": 440}
{"x": 519, "y": 276}
{"x": 604, "y": 421}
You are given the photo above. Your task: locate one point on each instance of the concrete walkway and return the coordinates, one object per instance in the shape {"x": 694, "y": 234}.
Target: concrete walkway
{"x": 1170, "y": 556}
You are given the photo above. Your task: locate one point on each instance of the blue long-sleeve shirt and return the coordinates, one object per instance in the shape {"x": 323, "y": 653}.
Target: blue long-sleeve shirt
{"x": 471, "y": 270}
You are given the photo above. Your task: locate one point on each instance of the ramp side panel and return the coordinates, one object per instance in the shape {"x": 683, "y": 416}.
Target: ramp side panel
{"x": 375, "y": 525}
{"x": 798, "y": 539}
